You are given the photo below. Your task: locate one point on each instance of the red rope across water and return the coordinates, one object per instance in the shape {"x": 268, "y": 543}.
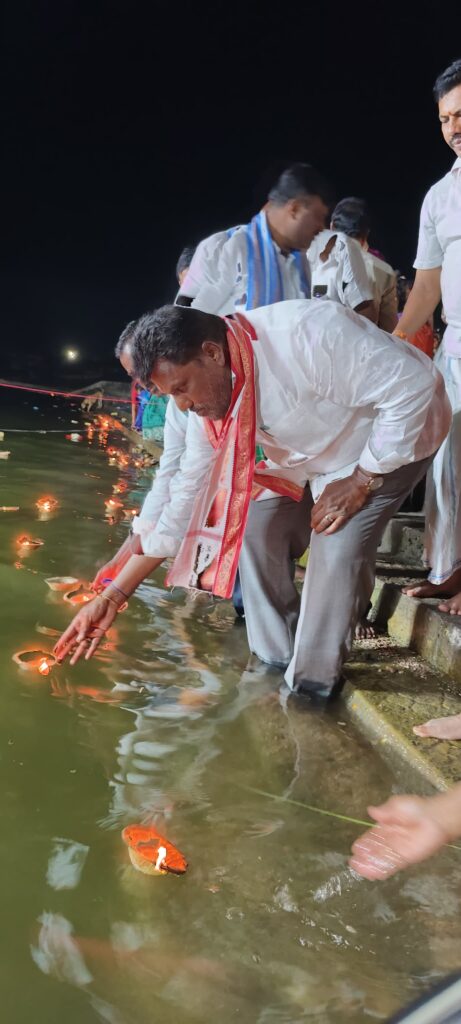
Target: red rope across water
{"x": 62, "y": 394}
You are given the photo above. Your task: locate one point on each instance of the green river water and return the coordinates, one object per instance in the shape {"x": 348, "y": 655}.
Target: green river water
{"x": 268, "y": 924}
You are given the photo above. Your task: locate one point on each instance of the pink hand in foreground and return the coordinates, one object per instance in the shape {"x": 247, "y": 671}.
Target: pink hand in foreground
{"x": 409, "y": 830}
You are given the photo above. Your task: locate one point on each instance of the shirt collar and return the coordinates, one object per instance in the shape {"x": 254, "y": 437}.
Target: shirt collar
{"x": 457, "y": 164}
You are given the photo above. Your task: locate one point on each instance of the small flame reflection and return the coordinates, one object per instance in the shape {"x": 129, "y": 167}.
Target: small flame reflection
{"x": 160, "y": 858}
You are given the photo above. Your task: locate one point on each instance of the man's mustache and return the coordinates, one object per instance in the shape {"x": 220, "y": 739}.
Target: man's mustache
{"x": 455, "y": 138}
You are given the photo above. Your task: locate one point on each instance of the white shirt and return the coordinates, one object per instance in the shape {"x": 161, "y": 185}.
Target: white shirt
{"x": 203, "y": 268}
{"x": 220, "y": 274}
{"x": 331, "y": 390}
{"x": 439, "y": 245}
{"x": 383, "y": 283}
{"x": 174, "y": 445}
{"x": 343, "y": 276}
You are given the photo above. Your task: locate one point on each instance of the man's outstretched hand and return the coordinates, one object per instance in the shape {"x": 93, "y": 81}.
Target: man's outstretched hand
{"x": 409, "y": 829}
{"x": 86, "y": 630}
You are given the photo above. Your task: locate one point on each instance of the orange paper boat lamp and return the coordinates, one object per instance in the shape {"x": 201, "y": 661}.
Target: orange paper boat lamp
{"x": 151, "y": 853}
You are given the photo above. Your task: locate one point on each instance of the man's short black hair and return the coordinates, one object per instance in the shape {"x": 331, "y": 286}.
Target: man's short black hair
{"x": 175, "y": 333}
{"x": 185, "y": 259}
{"x": 447, "y": 80}
{"x": 300, "y": 180}
{"x": 125, "y": 338}
{"x": 351, "y": 216}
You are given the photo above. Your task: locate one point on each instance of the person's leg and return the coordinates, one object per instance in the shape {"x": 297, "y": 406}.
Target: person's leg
{"x": 443, "y": 500}
{"x": 338, "y": 586}
{"x": 277, "y": 533}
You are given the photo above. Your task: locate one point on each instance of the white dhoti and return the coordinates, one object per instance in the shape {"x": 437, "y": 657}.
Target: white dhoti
{"x": 442, "y": 549}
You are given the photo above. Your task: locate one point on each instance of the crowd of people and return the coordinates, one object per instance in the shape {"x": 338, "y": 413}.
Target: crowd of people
{"x": 305, "y": 406}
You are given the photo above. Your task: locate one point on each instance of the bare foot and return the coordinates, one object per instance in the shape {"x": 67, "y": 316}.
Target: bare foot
{"x": 452, "y": 606}
{"x": 449, "y": 588}
{"x": 448, "y": 728}
{"x": 365, "y": 630}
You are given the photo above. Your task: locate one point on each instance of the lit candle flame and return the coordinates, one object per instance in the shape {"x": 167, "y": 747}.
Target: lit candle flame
{"x": 160, "y": 858}
{"x": 44, "y": 667}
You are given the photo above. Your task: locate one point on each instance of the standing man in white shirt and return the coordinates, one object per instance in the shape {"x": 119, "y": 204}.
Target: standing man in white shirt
{"x": 264, "y": 261}
{"x": 351, "y": 217}
{"x": 349, "y": 420}
{"x": 338, "y": 272}
{"x": 438, "y": 277}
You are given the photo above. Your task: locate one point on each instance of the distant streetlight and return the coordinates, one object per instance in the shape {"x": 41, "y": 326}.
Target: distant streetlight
{"x": 71, "y": 354}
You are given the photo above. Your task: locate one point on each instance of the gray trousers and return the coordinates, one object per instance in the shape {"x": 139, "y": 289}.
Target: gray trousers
{"x": 312, "y": 636}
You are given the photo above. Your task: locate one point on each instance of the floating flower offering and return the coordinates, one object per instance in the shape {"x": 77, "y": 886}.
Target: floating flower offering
{"x": 79, "y": 596}
{"x": 47, "y": 504}
{"x": 35, "y": 661}
{"x": 151, "y": 853}
{"x": 9, "y": 508}
{"x": 74, "y": 437}
{"x": 5, "y": 455}
{"x": 61, "y": 582}
{"x": 27, "y": 543}
{"x": 120, "y": 487}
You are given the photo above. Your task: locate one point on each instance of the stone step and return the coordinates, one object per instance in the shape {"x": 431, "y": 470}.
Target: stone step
{"x": 418, "y": 624}
{"x": 402, "y": 540}
{"x": 390, "y": 689}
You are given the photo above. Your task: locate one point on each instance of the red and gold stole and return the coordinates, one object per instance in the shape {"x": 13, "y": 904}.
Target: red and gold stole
{"x": 209, "y": 554}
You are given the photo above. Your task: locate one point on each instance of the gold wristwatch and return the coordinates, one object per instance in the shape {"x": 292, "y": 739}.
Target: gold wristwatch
{"x": 372, "y": 483}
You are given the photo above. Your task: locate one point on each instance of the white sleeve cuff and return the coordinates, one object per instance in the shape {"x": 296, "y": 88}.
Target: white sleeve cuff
{"x": 154, "y": 544}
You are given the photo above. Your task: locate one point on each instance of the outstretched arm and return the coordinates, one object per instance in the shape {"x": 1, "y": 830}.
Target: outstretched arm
{"x": 409, "y": 829}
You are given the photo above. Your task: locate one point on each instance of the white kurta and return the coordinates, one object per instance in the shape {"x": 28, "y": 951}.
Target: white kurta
{"x": 218, "y": 275}
{"x": 331, "y": 390}
{"x": 439, "y": 245}
{"x": 342, "y": 276}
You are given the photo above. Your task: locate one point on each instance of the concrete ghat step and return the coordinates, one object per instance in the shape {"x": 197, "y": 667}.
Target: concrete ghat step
{"x": 419, "y": 625}
{"x": 403, "y": 540}
{"x": 389, "y": 689}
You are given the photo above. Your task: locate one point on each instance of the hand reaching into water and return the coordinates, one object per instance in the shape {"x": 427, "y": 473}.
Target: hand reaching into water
{"x": 409, "y": 829}
{"x": 112, "y": 568}
{"x": 86, "y": 630}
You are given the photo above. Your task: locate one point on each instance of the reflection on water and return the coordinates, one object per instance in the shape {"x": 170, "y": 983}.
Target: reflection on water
{"x": 169, "y": 726}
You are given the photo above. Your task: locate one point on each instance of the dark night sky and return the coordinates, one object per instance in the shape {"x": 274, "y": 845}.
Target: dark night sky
{"x": 132, "y": 129}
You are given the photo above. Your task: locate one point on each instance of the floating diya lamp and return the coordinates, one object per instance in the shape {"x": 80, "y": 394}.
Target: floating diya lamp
{"x": 74, "y": 437}
{"x": 35, "y": 661}
{"x": 61, "y": 582}
{"x": 79, "y": 596}
{"x": 47, "y": 503}
{"x": 120, "y": 487}
{"x": 151, "y": 853}
{"x": 9, "y": 508}
{"x": 5, "y": 455}
{"x": 129, "y": 513}
{"x": 112, "y": 452}
{"x": 113, "y": 505}
{"x": 27, "y": 543}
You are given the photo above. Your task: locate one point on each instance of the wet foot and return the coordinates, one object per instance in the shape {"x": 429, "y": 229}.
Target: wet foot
{"x": 449, "y": 588}
{"x": 448, "y": 728}
{"x": 365, "y": 630}
{"x": 452, "y": 606}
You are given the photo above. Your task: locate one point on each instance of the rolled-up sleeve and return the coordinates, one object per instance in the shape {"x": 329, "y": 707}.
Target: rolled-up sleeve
{"x": 165, "y": 517}
{"x": 429, "y": 254}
